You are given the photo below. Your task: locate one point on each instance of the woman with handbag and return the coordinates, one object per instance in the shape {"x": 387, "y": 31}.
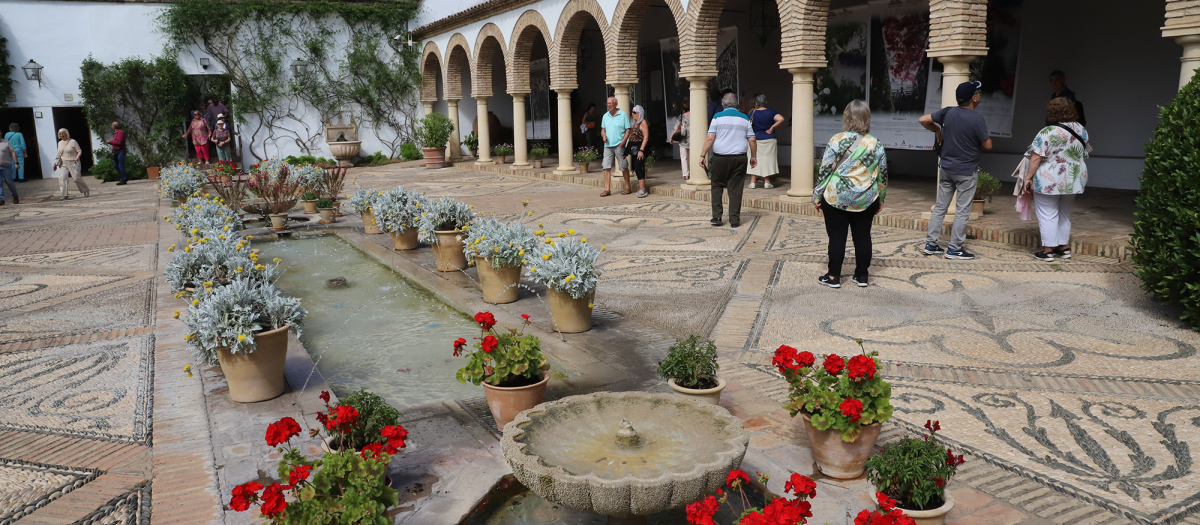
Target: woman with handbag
{"x": 1057, "y": 174}
{"x": 680, "y": 136}
{"x": 639, "y": 137}
{"x": 764, "y": 121}
{"x": 853, "y": 179}
{"x": 67, "y": 164}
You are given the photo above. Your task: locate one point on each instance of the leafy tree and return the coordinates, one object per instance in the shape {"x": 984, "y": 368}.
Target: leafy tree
{"x": 6, "y": 81}
{"x": 148, "y": 98}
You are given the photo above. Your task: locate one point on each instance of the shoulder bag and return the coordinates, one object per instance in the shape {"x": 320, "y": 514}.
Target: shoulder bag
{"x": 1086, "y": 146}
{"x": 842, "y": 157}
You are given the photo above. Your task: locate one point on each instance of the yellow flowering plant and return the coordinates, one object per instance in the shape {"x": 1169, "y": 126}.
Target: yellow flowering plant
{"x": 565, "y": 263}
{"x": 230, "y": 315}
{"x": 501, "y": 244}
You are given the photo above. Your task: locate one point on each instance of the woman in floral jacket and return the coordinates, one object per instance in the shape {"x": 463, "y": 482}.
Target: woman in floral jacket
{"x": 853, "y": 179}
{"x": 1056, "y": 161}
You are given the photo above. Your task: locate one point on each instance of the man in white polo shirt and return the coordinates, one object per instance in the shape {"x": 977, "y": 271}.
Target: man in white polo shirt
{"x": 729, "y": 135}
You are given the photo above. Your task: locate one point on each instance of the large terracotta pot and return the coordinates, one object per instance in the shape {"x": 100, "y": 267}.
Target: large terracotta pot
{"x": 405, "y": 239}
{"x": 327, "y": 215}
{"x": 977, "y": 206}
{"x": 506, "y": 403}
{"x": 279, "y": 221}
{"x": 434, "y": 157}
{"x": 499, "y": 286}
{"x": 448, "y": 250}
{"x": 836, "y": 458}
{"x": 181, "y": 200}
{"x": 710, "y": 396}
{"x": 152, "y": 172}
{"x": 932, "y": 516}
{"x": 570, "y": 316}
{"x": 310, "y": 207}
{"x": 258, "y": 375}
{"x": 369, "y": 226}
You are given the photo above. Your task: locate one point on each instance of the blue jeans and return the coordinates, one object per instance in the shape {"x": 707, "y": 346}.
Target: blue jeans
{"x": 20, "y": 171}
{"x": 119, "y": 161}
{"x": 6, "y": 178}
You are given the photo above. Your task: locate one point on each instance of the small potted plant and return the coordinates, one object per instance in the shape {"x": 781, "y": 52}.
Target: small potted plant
{"x": 690, "y": 369}
{"x": 566, "y": 265}
{"x": 986, "y": 186}
{"x": 180, "y": 181}
{"x": 331, "y": 182}
{"x": 509, "y": 365}
{"x": 472, "y": 143}
{"x": 501, "y": 151}
{"x": 443, "y": 224}
{"x": 374, "y": 414}
{"x": 363, "y": 203}
{"x": 537, "y": 154}
{"x": 400, "y": 215}
{"x": 584, "y": 156}
{"x": 843, "y": 405}
{"x": 347, "y": 485}
{"x": 225, "y": 171}
{"x": 498, "y": 251}
{"x": 914, "y": 473}
{"x": 243, "y": 326}
{"x": 325, "y": 206}
{"x": 310, "y": 202}
{"x": 433, "y": 134}
{"x": 206, "y": 212}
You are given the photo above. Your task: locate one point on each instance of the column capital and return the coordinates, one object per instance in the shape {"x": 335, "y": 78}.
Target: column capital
{"x": 706, "y": 73}
{"x": 563, "y": 88}
{"x": 810, "y": 66}
{"x": 452, "y": 101}
{"x": 802, "y": 74}
{"x": 429, "y": 100}
{"x": 1187, "y": 40}
{"x": 519, "y": 92}
{"x": 1181, "y": 30}
{"x": 622, "y": 84}
{"x": 482, "y": 99}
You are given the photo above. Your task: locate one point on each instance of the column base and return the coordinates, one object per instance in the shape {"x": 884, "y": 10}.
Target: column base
{"x": 950, "y": 216}
{"x": 798, "y": 199}
{"x": 566, "y": 171}
{"x": 707, "y": 186}
{"x": 521, "y": 165}
{"x": 488, "y": 162}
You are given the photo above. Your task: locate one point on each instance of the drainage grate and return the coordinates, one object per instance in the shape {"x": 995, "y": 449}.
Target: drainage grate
{"x": 478, "y": 408}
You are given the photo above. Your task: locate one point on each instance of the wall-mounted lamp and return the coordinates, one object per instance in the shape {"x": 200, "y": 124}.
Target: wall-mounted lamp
{"x": 299, "y": 68}
{"x": 204, "y": 63}
{"x": 33, "y": 71}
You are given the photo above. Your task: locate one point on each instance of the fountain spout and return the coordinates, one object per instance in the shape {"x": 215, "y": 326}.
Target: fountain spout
{"x": 627, "y": 437}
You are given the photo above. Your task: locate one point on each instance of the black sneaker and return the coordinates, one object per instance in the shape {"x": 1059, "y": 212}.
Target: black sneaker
{"x": 121, "y": 183}
{"x": 715, "y": 222}
{"x": 735, "y": 222}
{"x": 931, "y": 248}
{"x": 860, "y": 281}
{"x": 1062, "y": 254}
{"x": 1043, "y": 256}
{"x": 959, "y": 253}
{"x": 832, "y": 282}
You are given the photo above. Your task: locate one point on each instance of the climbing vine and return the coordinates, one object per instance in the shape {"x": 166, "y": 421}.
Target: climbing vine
{"x": 345, "y": 46}
{"x": 6, "y": 81}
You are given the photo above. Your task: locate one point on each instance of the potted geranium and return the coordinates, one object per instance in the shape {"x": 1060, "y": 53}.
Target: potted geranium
{"x": 325, "y": 206}
{"x": 443, "y": 224}
{"x": 537, "y": 154}
{"x": 363, "y": 203}
{"x": 509, "y": 365}
{"x": 400, "y": 216}
{"x": 243, "y": 326}
{"x": 347, "y": 485}
{"x": 374, "y": 414}
{"x": 584, "y": 156}
{"x": 786, "y": 510}
{"x": 310, "y": 202}
{"x": 498, "y": 251}
{"x": 501, "y": 151}
{"x": 225, "y": 171}
{"x": 843, "y": 404}
{"x": 690, "y": 369}
{"x": 566, "y": 265}
{"x": 914, "y": 472}
{"x": 433, "y": 133}
{"x": 985, "y": 187}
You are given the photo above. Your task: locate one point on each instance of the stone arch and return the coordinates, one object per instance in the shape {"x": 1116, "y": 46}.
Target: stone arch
{"x": 802, "y": 23}
{"x": 490, "y": 38}
{"x": 458, "y": 59}
{"x": 622, "y": 37}
{"x": 431, "y": 67}
{"x": 563, "y": 56}
{"x": 524, "y": 33}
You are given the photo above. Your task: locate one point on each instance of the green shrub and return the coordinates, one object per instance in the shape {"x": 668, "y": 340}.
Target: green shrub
{"x": 913, "y": 471}
{"x": 373, "y": 414}
{"x": 410, "y": 151}
{"x": 472, "y": 143}
{"x": 692, "y": 362}
{"x": 309, "y": 196}
{"x": 434, "y": 131}
{"x": 376, "y": 159}
{"x": 324, "y": 203}
{"x": 1166, "y": 231}
{"x": 105, "y": 169}
{"x": 986, "y": 186}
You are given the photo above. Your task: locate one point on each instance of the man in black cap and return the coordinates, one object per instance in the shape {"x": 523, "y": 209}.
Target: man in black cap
{"x": 962, "y": 133}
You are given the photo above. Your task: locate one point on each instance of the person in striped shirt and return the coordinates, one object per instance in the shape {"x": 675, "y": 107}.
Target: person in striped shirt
{"x": 729, "y": 137}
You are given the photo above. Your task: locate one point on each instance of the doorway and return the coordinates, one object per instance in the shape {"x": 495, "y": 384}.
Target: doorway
{"x": 23, "y": 118}
{"x": 76, "y": 125}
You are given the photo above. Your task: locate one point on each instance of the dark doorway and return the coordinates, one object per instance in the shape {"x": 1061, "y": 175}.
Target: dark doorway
{"x": 202, "y": 89}
{"x": 23, "y": 118}
{"x": 76, "y": 124}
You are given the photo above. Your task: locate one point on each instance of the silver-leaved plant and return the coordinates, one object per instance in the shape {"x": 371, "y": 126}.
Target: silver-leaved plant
{"x": 363, "y": 200}
{"x": 397, "y": 209}
{"x": 180, "y": 180}
{"x": 206, "y": 212}
{"x": 444, "y": 214}
{"x": 565, "y": 263}
{"x": 501, "y": 244}
{"x": 230, "y": 315}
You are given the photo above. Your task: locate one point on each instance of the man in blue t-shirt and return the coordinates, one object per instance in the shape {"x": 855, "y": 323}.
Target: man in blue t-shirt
{"x": 962, "y": 133}
{"x": 614, "y": 132}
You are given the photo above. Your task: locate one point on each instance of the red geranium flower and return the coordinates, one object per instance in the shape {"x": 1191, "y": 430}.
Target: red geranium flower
{"x": 785, "y": 511}
{"x": 324, "y": 420}
{"x": 488, "y": 344}
{"x": 940, "y": 482}
{"x": 785, "y": 359}
{"x": 281, "y": 431}
{"x": 736, "y": 475}
{"x": 885, "y": 502}
{"x": 395, "y": 435}
{"x": 701, "y": 512}
{"x": 458, "y": 346}
{"x": 806, "y": 359}
{"x": 862, "y": 367}
{"x": 345, "y": 416}
{"x": 801, "y": 486}
{"x": 485, "y": 319}
{"x": 525, "y": 317}
{"x": 372, "y": 450}
{"x": 933, "y": 426}
{"x": 834, "y": 364}
{"x": 324, "y": 396}
{"x": 852, "y": 408}
{"x": 299, "y": 474}
{"x": 244, "y": 495}
{"x": 272, "y": 501}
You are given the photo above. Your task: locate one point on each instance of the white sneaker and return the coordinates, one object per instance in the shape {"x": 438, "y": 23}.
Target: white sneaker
{"x": 768, "y": 185}
{"x": 752, "y": 185}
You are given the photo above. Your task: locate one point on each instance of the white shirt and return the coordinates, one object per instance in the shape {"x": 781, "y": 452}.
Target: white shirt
{"x": 732, "y": 128}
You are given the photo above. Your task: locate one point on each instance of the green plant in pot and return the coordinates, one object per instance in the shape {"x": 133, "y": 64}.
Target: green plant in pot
{"x": 508, "y": 363}
{"x": 433, "y": 134}
{"x": 915, "y": 472}
{"x": 690, "y": 369}
{"x": 566, "y": 265}
{"x": 310, "y": 202}
{"x": 472, "y": 143}
{"x": 374, "y": 414}
{"x": 538, "y": 153}
{"x": 986, "y": 186}
{"x": 498, "y": 250}
{"x": 501, "y": 151}
{"x": 325, "y": 206}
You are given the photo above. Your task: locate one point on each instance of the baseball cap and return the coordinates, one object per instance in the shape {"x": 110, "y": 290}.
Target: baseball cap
{"x": 966, "y": 90}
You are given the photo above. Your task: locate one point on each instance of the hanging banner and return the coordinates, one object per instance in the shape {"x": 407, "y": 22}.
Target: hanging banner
{"x": 537, "y": 106}
{"x": 845, "y": 79}
{"x": 997, "y": 71}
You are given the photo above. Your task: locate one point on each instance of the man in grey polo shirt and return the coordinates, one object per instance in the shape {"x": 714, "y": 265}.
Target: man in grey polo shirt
{"x": 729, "y": 136}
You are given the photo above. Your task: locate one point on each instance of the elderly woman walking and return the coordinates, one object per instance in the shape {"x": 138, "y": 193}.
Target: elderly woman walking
{"x": 67, "y": 164}
{"x": 680, "y": 136}
{"x": 200, "y": 132}
{"x": 853, "y": 183}
{"x": 639, "y": 137}
{"x": 1056, "y": 162}
{"x": 764, "y": 121}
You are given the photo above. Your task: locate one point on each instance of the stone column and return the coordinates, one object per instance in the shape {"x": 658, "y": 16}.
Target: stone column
{"x": 621, "y": 91}
{"x": 1191, "y": 58}
{"x": 455, "y": 147}
{"x": 698, "y": 130}
{"x": 520, "y": 141}
{"x": 485, "y": 134}
{"x": 566, "y": 151}
{"x": 428, "y": 106}
{"x": 802, "y": 134}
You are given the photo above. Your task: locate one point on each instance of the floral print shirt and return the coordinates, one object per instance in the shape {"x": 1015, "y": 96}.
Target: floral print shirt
{"x": 860, "y": 180}
{"x": 1062, "y": 170}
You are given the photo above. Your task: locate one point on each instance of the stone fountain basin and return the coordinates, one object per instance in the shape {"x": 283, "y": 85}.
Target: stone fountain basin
{"x": 565, "y": 451}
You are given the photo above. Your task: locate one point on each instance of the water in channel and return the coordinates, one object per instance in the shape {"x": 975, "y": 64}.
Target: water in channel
{"x": 379, "y": 332}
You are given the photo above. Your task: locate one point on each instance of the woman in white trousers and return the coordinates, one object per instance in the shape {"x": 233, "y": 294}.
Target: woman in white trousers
{"x": 682, "y": 125}
{"x": 1059, "y": 173}
{"x": 67, "y": 163}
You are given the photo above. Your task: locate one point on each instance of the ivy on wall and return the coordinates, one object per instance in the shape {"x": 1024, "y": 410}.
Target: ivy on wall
{"x": 346, "y": 46}
{"x": 148, "y": 97}
{"x": 6, "y": 81}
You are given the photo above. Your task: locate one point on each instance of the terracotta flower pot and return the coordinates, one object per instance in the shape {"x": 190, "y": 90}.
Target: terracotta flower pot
{"x": 152, "y": 172}
{"x": 369, "y": 226}
{"x": 448, "y": 250}
{"x": 258, "y": 375}
{"x": 583, "y": 167}
{"x": 836, "y": 458}
{"x": 405, "y": 239}
{"x": 932, "y": 516}
{"x": 499, "y": 286}
{"x": 537, "y": 164}
{"x": 570, "y": 316}
{"x": 279, "y": 221}
{"x": 181, "y": 200}
{"x": 507, "y": 402}
{"x": 327, "y": 215}
{"x": 337, "y": 208}
{"x": 310, "y": 207}
{"x": 710, "y": 396}
{"x": 434, "y": 157}
{"x": 226, "y": 179}
{"x": 977, "y": 206}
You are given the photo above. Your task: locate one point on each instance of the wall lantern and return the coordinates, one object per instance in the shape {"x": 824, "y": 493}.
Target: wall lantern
{"x": 204, "y": 63}
{"x": 764, "y": 19}
{"x": 299, "y": 68}
{"x": 33, "y": 71}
